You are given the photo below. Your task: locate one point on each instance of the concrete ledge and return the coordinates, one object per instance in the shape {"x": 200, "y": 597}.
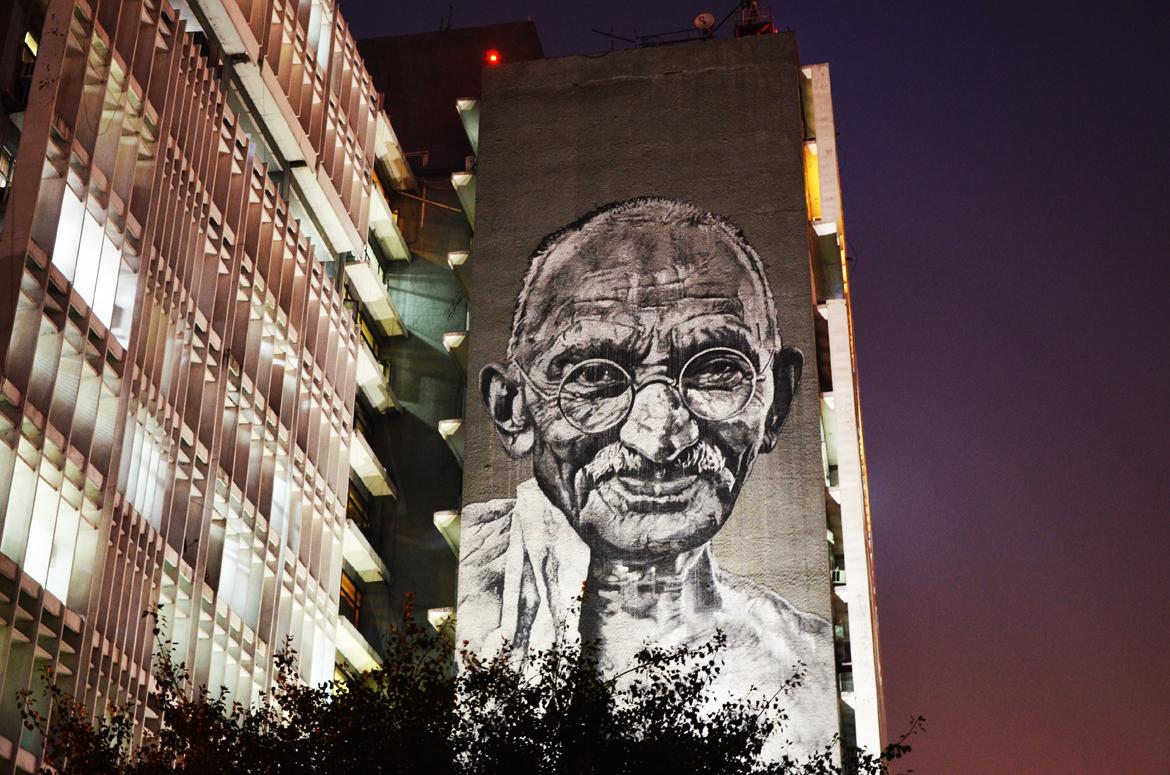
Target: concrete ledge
{"x": 450, "y": 524}
{"x": 358, "y": 553}
{"x": 366, "y": 468}
{"x": 355, "y": 648}
{"x": 464, "y": 183}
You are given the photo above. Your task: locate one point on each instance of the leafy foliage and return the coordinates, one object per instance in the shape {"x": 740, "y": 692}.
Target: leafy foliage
{"x": 552, "y": 714}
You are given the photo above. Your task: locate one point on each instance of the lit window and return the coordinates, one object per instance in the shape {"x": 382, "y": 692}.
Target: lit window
{"x": 351, "y": 599}
{"x": 355, "y": 509}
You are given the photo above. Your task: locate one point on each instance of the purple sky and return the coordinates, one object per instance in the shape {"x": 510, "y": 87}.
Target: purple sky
{"x": 1006, "y": 177}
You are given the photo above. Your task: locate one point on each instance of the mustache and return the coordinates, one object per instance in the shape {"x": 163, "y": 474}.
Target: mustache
{"x": 617, "y": 460}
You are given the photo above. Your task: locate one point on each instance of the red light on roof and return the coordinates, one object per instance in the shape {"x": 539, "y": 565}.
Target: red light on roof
{"x": 493, "y": 57}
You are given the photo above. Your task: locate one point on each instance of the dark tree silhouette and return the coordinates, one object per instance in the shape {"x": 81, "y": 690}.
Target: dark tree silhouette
{"x": 417, "y": 714}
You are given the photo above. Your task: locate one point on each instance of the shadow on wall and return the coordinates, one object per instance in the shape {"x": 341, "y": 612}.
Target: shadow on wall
{"x": 429, "y": 479}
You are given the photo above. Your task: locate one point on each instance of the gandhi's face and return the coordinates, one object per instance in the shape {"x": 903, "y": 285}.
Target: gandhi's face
{"x": 646, "y": 373}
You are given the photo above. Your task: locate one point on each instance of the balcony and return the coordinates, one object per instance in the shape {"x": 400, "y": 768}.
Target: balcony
{"x": 457, "y": 347}
{"x": 355, "y": 648}
{"x": 361, "y": 556}
{"x": 269, "y": 96}
{"x": 369, "y": 287}
{"x": 464, "y": 183}
{"x": 829, "y": 439}
{"x": 366, "y": 469}
{"x": 390, "y": 157}
{"x": 373, "y": 381}
{"x": 828, "y": 260}
{"x": 385, "y": 227}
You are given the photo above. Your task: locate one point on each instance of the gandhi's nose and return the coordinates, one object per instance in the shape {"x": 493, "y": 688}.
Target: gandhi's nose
{"x": 659, "y": 426}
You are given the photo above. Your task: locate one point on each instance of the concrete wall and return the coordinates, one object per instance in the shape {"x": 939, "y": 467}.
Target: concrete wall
{"x": 716, "y": 125}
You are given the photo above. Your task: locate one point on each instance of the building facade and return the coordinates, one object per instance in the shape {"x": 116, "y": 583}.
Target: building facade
{"x": 237, "y": 330}
{"x": 854, "y": 600}
{"x": 190, "y": 304}
{"x": 667, "y": 410}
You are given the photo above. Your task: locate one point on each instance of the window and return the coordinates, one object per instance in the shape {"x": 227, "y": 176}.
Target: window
{"x": 367, "y": 335}
{"x": 356, "y": 509}
{"x": 351, "y": 599}
{"x": 361, "y": 420}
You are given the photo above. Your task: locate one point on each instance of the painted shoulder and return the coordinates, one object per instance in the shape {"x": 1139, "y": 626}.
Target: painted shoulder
{"x": 758, "y": 608}
{"x": 485, "y": 530}
{"x": 484, "y": 538}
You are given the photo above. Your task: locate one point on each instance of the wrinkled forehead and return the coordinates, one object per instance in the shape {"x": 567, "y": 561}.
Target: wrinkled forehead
{"x": 620, "y": 269}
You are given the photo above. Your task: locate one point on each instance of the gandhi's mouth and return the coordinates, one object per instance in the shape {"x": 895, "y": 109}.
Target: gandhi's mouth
{"x": 629, "y": 482}
{"x": 633, "y": 494}
{"x": 661, "y": 487}
{"x": 621, "y": 461}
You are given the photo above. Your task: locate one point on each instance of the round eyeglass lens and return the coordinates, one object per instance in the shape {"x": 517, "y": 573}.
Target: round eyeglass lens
{"x": 595, "y": 395}
{"x": 718, "y": 383}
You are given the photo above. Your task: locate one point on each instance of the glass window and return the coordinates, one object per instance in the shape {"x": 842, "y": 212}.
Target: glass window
{"x": 356, "y": 509}
{"x": 351, "y": 599}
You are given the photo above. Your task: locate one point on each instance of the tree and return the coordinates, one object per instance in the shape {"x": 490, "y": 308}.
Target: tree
{"x": 552, "y": 714}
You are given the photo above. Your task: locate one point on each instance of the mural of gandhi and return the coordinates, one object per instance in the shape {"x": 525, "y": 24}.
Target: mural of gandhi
{"x": 645, "y": 372}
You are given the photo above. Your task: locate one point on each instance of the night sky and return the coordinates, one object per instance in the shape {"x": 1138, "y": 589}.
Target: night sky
{"x": 1006, "y": 179}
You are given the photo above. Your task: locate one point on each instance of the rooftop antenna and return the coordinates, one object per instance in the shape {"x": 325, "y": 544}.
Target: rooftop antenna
{"x": 751, "y": 19}
{"x": 742, "y": 6}
{"x": 444, "y": 26}
{"x": 703, "y": 30}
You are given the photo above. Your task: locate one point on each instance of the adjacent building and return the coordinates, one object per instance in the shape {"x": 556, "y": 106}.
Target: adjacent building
{"x": 191, "y": 300}
{"x": 850, "y": 537}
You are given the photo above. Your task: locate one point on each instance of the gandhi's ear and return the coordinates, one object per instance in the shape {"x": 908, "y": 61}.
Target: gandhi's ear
{"x": 505, "y": 404}
{"x": 786, "y": 368}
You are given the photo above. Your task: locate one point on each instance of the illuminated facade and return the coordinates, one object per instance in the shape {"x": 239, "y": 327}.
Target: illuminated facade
{"x": 187, "y": 288}
{"x": 801, "y": 528}
{"x": 854, "y": 603}
{"x": 234, "y": 345}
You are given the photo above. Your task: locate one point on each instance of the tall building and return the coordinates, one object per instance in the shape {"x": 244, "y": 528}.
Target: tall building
{"x": 191, "y": 298}
{"x": 854, "y": 601}
{"x": 238, "y": 320}
{"x": 660, "y": 249}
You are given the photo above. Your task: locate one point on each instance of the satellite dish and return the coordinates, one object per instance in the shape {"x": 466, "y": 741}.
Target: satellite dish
{"x": 704, "y": 21}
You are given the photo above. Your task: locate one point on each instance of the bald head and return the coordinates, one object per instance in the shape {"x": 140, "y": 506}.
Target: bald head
{"x": 642, "y": 253}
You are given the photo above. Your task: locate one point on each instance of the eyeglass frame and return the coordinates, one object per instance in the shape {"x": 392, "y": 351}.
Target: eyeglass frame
{"x": 674, "y": 382}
